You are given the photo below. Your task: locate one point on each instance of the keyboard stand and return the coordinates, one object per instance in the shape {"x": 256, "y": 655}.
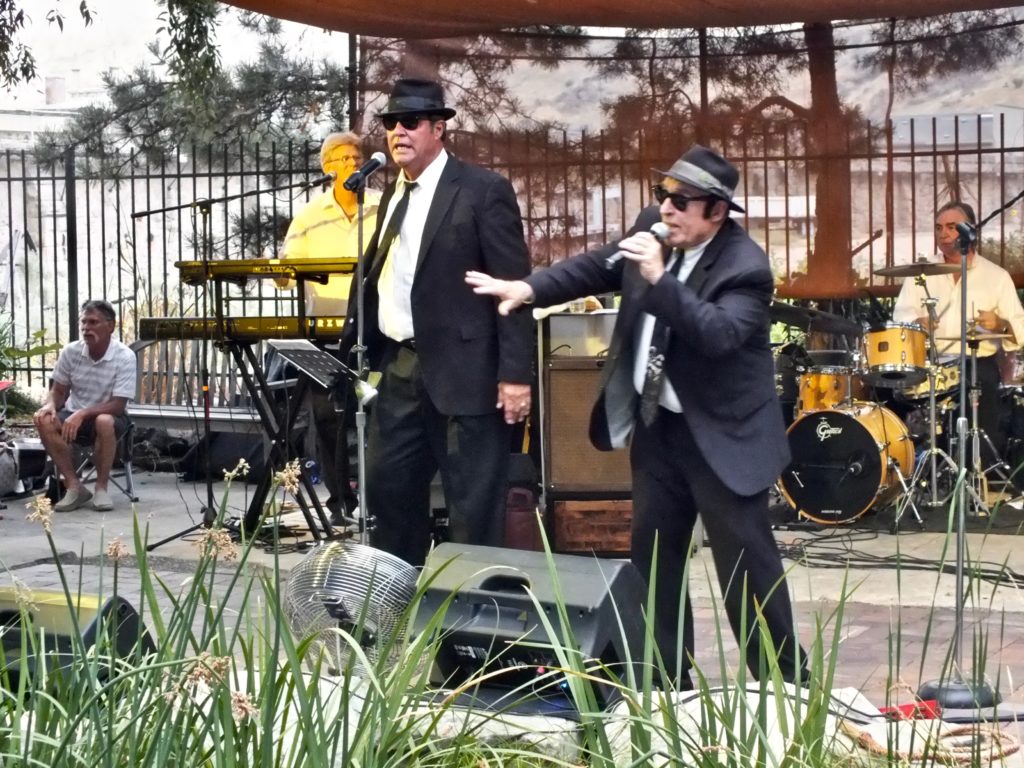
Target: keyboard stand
{"x": 276, "y": 426}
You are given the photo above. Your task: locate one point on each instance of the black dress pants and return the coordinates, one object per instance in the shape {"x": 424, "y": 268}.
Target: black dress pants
{"x": 409, "y": 440}
{"x": 331, "y": 427}
{"x": 672, "y": 484}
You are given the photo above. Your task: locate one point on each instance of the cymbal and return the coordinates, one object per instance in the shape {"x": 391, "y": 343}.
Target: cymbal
{"x": 972, "y": 336}
{"x": 916, "y": 268}
{"x": 806, "y": 319}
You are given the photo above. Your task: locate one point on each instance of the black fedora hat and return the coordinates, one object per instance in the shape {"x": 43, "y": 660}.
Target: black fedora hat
{"x": 411, "y": 97}
{"x": 706, "y": 170}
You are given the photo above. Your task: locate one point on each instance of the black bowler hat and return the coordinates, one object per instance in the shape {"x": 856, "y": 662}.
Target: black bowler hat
{"x": 706, "y": 170}
{"x": 417, "y": 97}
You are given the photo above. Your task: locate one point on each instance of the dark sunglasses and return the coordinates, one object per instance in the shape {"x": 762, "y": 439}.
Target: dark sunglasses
{"x": 679, "y": 201}
{"x": 409, "y": 122}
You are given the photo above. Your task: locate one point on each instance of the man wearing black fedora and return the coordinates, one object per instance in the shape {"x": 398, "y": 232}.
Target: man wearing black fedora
{"x": 455, "y": 376}
{"x": 690, "y": 385}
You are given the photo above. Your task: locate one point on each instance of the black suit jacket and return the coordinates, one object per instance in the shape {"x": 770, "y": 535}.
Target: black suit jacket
{"x": 465, "y": 348}
{"x": 719, "y": 358}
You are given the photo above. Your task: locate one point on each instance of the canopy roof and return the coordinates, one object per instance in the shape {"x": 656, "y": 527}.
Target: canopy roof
{"x": 445, "y": 18}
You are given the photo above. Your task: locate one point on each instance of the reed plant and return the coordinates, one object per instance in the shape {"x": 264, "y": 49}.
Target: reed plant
{"x": 210, "y": 676}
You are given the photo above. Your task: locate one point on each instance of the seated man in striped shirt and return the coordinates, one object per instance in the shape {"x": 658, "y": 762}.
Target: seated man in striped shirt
{"x": 92, "y": 383}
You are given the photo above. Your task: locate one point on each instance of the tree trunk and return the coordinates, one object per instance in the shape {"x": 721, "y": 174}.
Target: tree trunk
{"x": 829, "y": 267}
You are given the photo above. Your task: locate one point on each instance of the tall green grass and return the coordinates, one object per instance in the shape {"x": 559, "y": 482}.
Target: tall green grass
{"x": 228, "y": 685}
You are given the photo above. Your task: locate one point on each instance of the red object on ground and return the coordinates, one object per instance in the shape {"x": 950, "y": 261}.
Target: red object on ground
{"x": 927, "y": 709}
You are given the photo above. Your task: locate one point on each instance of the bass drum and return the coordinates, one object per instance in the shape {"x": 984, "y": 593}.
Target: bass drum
{"x": 845, "y": 462}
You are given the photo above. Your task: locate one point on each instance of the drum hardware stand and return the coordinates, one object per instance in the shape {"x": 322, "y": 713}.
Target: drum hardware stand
{"x": 908, "y": 497}
{"x": 976, "y": 473}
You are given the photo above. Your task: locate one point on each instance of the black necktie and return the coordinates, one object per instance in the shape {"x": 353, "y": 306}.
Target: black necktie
{"x": 395, "y": 222}
{"x": 654, "y": 379}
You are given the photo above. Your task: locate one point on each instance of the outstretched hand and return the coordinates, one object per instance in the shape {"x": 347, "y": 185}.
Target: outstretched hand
{"x": 511, "y": 294}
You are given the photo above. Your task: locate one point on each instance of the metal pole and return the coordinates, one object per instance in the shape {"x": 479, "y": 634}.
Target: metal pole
{"x": 71, "y": 225}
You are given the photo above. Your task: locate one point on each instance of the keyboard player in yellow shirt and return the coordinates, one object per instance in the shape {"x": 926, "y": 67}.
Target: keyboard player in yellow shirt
{"x": 328, "y": 227}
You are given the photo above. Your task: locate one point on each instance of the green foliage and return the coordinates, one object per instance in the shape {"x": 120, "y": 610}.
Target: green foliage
{"x": 225, "y": 684}
{"x": 948, "y": 44}
{"x": 474, "y": 72}
{"x": 276, "y": 101}
{"x": 17, "y": 64}
{"x": 192, "y": 53}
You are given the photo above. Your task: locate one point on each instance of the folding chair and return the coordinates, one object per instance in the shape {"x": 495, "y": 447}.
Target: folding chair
{"x": 121, "y": 473}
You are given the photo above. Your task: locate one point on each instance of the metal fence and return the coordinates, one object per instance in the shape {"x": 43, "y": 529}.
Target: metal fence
{"x": 78, "y": 229}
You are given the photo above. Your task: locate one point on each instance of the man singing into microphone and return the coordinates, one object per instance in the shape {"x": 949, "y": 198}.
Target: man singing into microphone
{"x": 689, "y": 382}
{"x": 455, "y": 377}
{"x": 327, "y": 227}
{"x": 992, "y": 307}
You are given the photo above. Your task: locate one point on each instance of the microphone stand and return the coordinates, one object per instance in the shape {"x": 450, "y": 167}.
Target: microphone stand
{"x": 364, "y": 523}
{"x": 204, "y": 206}
{"x": 958, "y": 693}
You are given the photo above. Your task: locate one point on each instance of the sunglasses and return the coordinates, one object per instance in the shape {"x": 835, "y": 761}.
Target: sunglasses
{"x": 409, "y": 122}
{"x": 679, "y": 201}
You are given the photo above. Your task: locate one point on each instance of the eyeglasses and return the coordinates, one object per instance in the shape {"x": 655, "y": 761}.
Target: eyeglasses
{"x": 409, "y": 122}
{"x": 679, "y": 201}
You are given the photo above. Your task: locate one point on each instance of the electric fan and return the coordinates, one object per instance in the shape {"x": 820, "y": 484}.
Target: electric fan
{"x": 353, "y": 587}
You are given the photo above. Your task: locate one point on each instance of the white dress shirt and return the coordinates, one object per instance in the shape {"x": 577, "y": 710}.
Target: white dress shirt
{"x": 989, "y": 288}
{"x": 668, "y": 399}
{"x": 394, "y": 313}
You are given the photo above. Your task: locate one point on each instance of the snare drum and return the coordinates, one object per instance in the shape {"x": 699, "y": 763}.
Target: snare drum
{"x": 827, "y": 386}
{"x": 845, "y": 461}
{"x": 947, "y": 382}
{"x": 895, "y": 355}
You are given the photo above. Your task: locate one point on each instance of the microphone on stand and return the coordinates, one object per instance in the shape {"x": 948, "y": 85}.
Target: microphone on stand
{"x": 968, "y": 234}
{"x": 327, "y": 178}
{"x": 660, "y": 231}
{"x": 358, "y": 178}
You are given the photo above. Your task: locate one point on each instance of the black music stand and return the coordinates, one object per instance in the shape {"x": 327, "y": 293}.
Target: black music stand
{"x": 322, "y": 367}
{"x": 327, "y": 371}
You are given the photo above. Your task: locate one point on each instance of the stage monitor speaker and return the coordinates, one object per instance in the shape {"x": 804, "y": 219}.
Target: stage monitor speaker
{"x": 492, "y": 625}
{"x": 572, "y": 464}
{"x": 114, "y": 626}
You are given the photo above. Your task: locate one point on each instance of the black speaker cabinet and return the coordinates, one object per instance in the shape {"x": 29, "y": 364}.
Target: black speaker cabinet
{"x": 492, "y": 625}
{"x": 572, "y": 464}
{"x": 114, "y": 626}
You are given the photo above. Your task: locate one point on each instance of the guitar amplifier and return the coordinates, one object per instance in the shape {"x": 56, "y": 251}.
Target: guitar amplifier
{"x": 572, "y": 465}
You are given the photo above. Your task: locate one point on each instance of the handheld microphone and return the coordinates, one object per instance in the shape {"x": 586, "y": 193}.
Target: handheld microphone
{"x": 327, "y": 178}
{"x": 660, "y": 231}
{"x": 967, "y": 233}
{"x": 358, "y": 178}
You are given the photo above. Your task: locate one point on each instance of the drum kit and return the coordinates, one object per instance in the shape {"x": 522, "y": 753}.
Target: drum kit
{"x": 850, "y": 452}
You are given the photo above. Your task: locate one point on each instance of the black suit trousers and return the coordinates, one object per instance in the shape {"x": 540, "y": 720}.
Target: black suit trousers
{"x": 672, "y": 484}
{"x": 409, "y": 441}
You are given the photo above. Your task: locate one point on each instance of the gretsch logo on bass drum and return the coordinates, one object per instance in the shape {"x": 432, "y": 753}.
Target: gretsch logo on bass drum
{"x": 825, "y": 430}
